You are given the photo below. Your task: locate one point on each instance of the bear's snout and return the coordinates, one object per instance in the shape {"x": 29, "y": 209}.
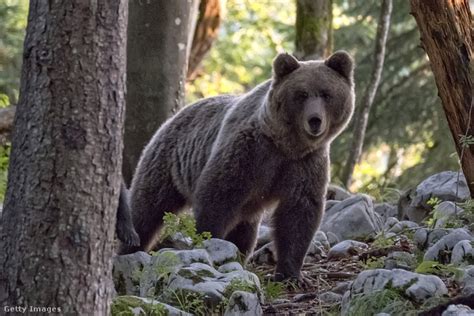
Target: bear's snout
{"x": 314, "y": 117}
{"x": 314, "y": 124}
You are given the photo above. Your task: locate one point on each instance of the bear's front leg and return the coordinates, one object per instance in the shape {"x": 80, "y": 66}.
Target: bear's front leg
{"x": 298, "y": 217}
{"x": 224, "y": 187}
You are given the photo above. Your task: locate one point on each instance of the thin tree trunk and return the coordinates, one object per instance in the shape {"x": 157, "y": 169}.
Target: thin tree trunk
{"x": 58, "y": 224}
{"x": 447, "y": 36}
{"x": 205, "y": 33}
{"x": 362, "y": 115}
{"x": 313, "y": 29}
{"x": 158, "y": 47}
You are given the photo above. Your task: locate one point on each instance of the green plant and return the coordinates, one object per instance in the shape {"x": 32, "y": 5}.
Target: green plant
{"x": 132, "y": 305}
{"x": 382, "y": 241}
{"x": 239, "y": 285}
{"x": 184, "y": 224}
{"x": 434, "y": 215}
{"x": 188, "y": 301}
{"x": 434, "y": 201}
{"x": 4, "y": 160}
{"x": 388, "y": 300}
{"x": 374, "y": 263}
{"x": 434, "y": 267}
{"x": 272, "y": 290}
{"x": 165, "y": 264}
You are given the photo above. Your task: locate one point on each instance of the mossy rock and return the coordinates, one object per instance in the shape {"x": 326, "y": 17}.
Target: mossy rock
{"x": 134, "y": 305}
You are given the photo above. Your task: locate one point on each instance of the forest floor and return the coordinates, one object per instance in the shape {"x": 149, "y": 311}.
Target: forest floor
{"x": 325, "y": 275}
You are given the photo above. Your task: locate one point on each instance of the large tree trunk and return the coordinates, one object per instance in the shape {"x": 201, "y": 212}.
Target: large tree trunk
{"x": 448, "y": 38}
{"x": 205, "y": 33}
{"x": 313, "y": 29}
{"x": 362, "y": 114}
{"x": 158, "y": 47}
{"x": 58, "y": 224}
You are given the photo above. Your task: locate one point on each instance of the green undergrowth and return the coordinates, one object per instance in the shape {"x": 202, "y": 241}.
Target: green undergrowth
{"x": 184, "y": 224}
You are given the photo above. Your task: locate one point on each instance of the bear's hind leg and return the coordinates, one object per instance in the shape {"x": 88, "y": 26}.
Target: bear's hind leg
{"x": 149, "y": 204}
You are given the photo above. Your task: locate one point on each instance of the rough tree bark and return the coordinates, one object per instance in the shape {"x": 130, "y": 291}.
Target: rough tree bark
{"x": 206, "y": 31}
{"x": 58, "y": 223}
{"x": 158, "y": 47}
{"x": 362, "y": 114}
{"x": 313, "y": 29}
{"x": 447, "y": 36}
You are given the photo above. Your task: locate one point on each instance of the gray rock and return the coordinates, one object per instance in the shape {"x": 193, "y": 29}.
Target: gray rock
{"x": 418, "y": 287}
{"x": 243, "y": 304}
{"x": 421, "y": 238}
{"x": 342, "y": 287}
{"x": 221, "y": 251}
{"x": 332, "y": 238}
{"x": 206, "y": 280}
{"x": 446, "y": 243}
{"x": 127, "y": 271}
{"x": 403, "y": 225}
{"x": 467, "y": 280}
{"x": 186, "y": 257}
{"x": 266, "y": 254}
{"x": 230, "y": 266}
{"x": 390, "y": 222}
{"x": 316, "y": 249}
{"x": 346, "y": 248}
{"x": 400, "y": 260}
{"x": 264, "y": 235}
{"x": 445, "y": 211}
{"x": 443, "y": 186}
{"x": 458, "y": 310}
{"x": 330, "y": 297}
{"x": 322, "y": 239}
{"x": 162, "y": 264}
{"x": 353, "y": 218}
{"x": 462, "y": 251}
{"x": 337, "y": 193}
{"x": 386, "y": 210}
{"x": 425, "y": 237}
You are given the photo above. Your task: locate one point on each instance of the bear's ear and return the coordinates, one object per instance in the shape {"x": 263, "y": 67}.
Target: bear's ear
{"x": 283, "y": 65}
{"x": 341, "y": 62}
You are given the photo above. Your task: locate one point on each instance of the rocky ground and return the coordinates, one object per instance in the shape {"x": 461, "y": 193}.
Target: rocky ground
{"x": 368, "y": 258}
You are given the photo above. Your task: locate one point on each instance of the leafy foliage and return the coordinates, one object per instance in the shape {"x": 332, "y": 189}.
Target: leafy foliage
{"x": 434, "y": 267}
{"x": 4, "y": 159}
{"x": 184, "y": 224}
{"x": 387, "y": 300}
{"x": 12, "y": 31}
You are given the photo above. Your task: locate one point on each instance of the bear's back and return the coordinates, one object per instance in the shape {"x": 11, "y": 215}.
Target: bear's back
{"x": 189, "y": 136}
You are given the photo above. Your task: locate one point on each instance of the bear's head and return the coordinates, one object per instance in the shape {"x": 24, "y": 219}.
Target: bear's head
{"x": 310, "y": 102}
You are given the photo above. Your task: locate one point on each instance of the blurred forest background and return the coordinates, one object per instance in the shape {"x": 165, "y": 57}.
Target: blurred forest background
{"x": 407, "y": 137}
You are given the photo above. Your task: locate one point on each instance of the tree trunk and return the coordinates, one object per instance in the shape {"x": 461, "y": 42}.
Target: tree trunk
{"x": 205, "y": 33}
{"x": 58, "y": 224}
{"x": 448, "y": 38}
{"x": 158, "y": 47}
{"x": 313, "y": 29}
{"x": 362, "y": 114}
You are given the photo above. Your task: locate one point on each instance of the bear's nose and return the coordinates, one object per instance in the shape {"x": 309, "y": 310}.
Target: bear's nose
{"x": 314, "y": 124}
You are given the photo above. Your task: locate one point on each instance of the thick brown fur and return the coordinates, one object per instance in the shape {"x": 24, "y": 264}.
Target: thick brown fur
{"x": 230, "y": 156}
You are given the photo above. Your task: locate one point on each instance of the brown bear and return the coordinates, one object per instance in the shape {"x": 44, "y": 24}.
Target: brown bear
{"x": 230, "y": 156}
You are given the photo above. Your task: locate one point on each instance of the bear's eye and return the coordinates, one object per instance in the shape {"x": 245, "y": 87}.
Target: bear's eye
{"x": 325, "y": 95}
{"x": 301, "y": 95}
